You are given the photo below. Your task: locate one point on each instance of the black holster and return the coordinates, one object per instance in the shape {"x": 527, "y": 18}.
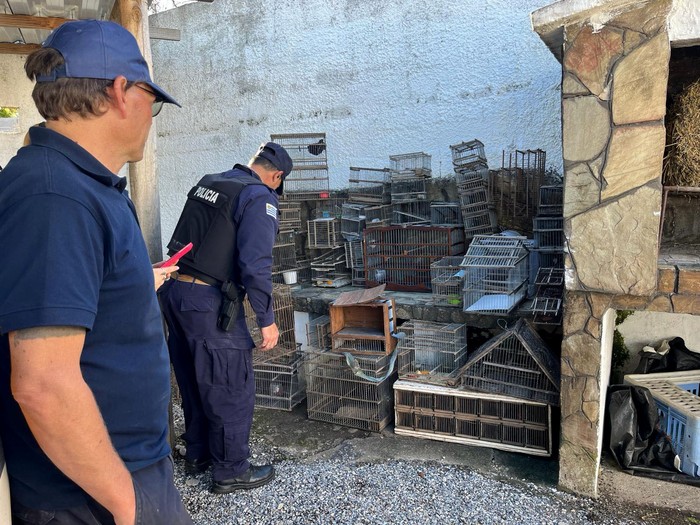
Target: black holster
{"x": 230, "y": 305}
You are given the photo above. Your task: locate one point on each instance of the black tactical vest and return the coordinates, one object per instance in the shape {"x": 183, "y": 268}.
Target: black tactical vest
{"x": 207, "y": 222}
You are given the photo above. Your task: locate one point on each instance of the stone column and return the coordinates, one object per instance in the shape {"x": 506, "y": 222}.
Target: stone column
{"x": 613, "y": 107}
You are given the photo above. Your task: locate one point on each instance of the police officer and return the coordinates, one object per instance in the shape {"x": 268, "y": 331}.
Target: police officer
{"x": 231, "y": 219}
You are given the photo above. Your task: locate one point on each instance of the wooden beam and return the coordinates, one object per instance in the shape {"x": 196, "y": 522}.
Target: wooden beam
{"x": 18, "y": 49}
{"x": 164, "y": 33}
{"x": 31, "y": 22}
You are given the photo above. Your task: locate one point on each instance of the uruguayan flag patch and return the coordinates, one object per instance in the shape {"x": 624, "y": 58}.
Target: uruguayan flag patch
{"x": 271, "y": 210}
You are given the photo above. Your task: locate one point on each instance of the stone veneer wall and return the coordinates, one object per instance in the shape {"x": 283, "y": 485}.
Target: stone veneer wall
{"x": 614, "y": 83}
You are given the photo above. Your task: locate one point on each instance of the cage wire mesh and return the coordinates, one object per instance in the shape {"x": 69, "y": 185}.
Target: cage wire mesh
{"x": 547, "y": 305}
{"x": 475, "y": 177}
{"x": 280, "y": 386}
{"x": 336, "y": 395}
{"x": 494, "y": 421}
{"x": 369, "y": 185}
{"x": 376, "y": 216}
{"x": 328, "y": 269}
{"x": 318, "y": 332}
{"x": 323, "y": 233}
{"x": 548, "y": 233}
{"x": 445, "y": 214}
{"x": 353, "y": 254}
{"x": 353, "y": 221}
{"x": 496, "y": 274}
{"x": 290, "y": 215}
{"x": 284, "y": 256}
{"x": 283, "y": 308}
{"x": 515, "y": 363}
{"x": 551, "y": 200}
{"x": 479, "y": 223}
{"x": 408, "y": 188}
{"x": 410, "y": 164}
{"x": 447, "y": 281}
{"x": 466, "y": 154}
{"x": 411, "y": 212}
{"x": 309, "y": 176}
{"x": 400, "y": 256}
{"x": 329, "y": 207}
{"x": 431, "y": 352}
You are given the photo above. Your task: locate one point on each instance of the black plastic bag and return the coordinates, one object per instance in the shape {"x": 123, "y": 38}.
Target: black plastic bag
{"x": 680, "y": 358}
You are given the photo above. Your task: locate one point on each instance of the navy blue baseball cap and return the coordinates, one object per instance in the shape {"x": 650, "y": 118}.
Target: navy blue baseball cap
{"x": 279, "y": 158}
{"x": 99, "y": 49}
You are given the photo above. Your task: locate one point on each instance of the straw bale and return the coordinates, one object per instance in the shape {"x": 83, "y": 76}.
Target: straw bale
{"x": 682, "y": 162}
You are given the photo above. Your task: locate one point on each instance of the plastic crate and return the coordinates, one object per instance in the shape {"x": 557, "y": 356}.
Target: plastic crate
{"x": 676, "y": 396}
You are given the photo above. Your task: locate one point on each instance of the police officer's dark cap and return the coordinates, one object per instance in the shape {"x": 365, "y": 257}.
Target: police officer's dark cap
{"x": 99, "y": 49}
{"x": 278, "y": 156}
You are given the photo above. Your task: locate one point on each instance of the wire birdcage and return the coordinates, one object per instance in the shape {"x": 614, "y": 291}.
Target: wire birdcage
{"x": 476, "y": 176}
{"x": 474, "y": 201}
{"x": 290, "y": 215}
{"x": 353, "y": 254}
{"x": 353, "y": 221}
{"x": 336, "y": 395}
{"x": 408, "y": 188}
{"x": 445, "y": 214}
{"x": 430, "y": 352}
{"x": 369, "y": 185}
{"x": 279, "y": 386}
{"x": 514, "y": 363}
{"x": 480, "y": 223}
{"x": 283, "y": 309}
{"x": 473, "y": 418}
{"x": 548, "y": 233}
{"x": 447, "y": 281}
{"x": 376, "y": 216}
{"x": 284, "y": 257}
{"x": 547, "y": 305}
{"x": 305, "y": 149}
{"x": 328, "y": 270}
{"x": 496, "y": 274}
{"x": 466, "y": 154}
{"x": 400, "y": 256}
{"x": 318, "y": 332}
{"x": 410, "y": 164}
{"x": 358, "y": 277}
{"x": 323, "y": 233}
{"x": 330, "y": 207}
{"x": 411, "y": 212}
{"x": 551, "y": 200}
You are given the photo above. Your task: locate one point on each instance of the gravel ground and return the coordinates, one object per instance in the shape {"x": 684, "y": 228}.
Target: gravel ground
{"x": 338, "y": 487}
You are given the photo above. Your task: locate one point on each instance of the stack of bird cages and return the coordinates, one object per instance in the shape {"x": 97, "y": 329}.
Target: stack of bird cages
{"x": 547, "y": 306}
{"x": 328, "y": 270}
{"x": 309, "y": 176}
{"x": 514, "y": 189}
{"x": 431, "y": 352}
{"x": 377, "y": 216}
{"x": 280, "y": 386}
{"x": 290, "y": 215}
{"x": 337, "y": 394}
{"x": 478, "y": 215}
{"x": 414, "y": 212}
{"x": 363, "y": 328}
{"x": 496, "y": 274}
{"x": 400, "y": 256}
{"x": 551, "y": 201}
{"x": 467, "y": 154}
{"x": 411, "y": 164}
{"x": 353, "y": 221}
{"x": 284, "y": 257}
{"x": 354, "y": 260}
{"x": 515, "y": 363}
{"x": 323, "y": 233}
{"x": 486, "y": 420}
{"x": 369, "y": 185}
{"x": 447, "y": 281}
{"x": 445, "y": 214}
{"x": 318, "y": 332}
{"x": 408, "y": 188}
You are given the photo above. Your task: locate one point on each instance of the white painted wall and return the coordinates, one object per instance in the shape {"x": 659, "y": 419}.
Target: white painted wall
{"x": 650, "y": 328}
{"x": 16, "y": 91}
{"x": 380, "y": 78}
{"x": 684, "y": 22}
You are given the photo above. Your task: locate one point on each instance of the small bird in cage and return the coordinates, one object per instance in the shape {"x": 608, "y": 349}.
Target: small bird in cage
{"x": 317, "y": 148}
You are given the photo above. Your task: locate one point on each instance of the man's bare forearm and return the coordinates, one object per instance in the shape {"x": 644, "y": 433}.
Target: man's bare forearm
{"x": 63, "y": 415}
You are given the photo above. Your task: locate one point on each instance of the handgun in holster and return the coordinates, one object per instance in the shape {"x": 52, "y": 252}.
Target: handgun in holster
{"x": 230, "y": 305}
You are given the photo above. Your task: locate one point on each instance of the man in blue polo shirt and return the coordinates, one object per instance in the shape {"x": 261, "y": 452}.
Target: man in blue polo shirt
{"x": 84, "y": 373}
